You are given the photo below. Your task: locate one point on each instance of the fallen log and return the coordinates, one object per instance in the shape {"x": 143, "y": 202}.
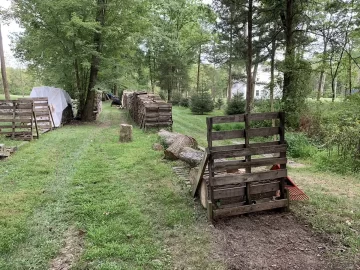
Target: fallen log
{"x": 191, "y": 156}
{"x": 167, "y": 137}
{"x": 173, "y": 151}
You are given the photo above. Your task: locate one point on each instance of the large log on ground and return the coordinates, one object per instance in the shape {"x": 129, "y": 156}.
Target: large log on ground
{"x": 191, "y": 156}
{"x": 167, "y": 137}
{"x": 173, "y": 151}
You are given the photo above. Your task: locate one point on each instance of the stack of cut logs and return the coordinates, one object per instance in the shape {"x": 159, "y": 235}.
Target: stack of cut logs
{"x": 147, "y": 110}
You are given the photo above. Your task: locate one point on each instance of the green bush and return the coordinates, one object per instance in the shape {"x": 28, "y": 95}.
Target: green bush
{"x": 229, "y": 126}
{"x": 236, "y": 105}
{"x": 201, "y": 103}
{"x": 299, "y": 146}
{"x": 176, "y": 98}
{"x": 184, "y": 102}
{"x": 219, "y": 103}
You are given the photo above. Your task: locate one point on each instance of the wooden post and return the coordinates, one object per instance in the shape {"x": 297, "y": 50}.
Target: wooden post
{"x": 125, "y": 133}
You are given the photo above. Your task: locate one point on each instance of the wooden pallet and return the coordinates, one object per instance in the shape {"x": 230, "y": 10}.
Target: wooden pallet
{"x": 17, "y": 119}
{"x": 232, "y": 192}
{"x": 43, "y": 114}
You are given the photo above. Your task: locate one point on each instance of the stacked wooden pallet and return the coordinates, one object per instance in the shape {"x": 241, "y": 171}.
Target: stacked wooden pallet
{"x": 17, "y": 118}
{"x": 148, "y": 110}
{"x": 43, "y": 113}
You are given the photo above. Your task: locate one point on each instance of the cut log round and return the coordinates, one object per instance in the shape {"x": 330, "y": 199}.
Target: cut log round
{"x": 203, "y": 193}
{"x": 191, "y": 156}
{"x": 125, "y": 133}
{"x": 167, "y": 137}
{"x": 173, "y": 152}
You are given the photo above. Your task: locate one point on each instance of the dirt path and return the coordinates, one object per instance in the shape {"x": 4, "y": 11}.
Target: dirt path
{"x": 272, "y": 241}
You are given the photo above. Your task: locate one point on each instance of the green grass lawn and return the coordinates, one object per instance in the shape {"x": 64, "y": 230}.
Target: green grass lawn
{"x": 134, "y": 212}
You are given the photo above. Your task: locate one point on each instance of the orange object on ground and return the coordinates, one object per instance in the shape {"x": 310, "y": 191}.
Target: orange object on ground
{"x": 296, "y": 194}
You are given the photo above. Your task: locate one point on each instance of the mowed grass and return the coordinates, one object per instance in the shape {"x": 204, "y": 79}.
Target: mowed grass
{"x": 134, "y": 211}
{"x": 334, "y": 205}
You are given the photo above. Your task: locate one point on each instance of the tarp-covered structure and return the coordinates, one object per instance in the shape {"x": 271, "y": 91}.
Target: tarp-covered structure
{"x": 59, "y": 102}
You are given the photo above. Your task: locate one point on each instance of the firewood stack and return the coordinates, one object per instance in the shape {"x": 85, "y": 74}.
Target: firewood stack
{"x": 148, "y": 110}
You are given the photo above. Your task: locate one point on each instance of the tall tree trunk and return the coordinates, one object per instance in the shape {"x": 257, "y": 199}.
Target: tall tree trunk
{"x": 288, "y": 23}
{"x": 151, "y": 73}
{"x": 322, "y": 72}
{"x": 116, "y": 90}
{"x": 198, "y": 72}
{"x": 350, "y": 71}
{"x": 249, "y": 58}
{"x": 272, "y": 78}
{"x": 321, "y": 85}
{"x": 253, "y": 84}
{"x": 88, "y": 114}
{"x": 3, "y": 69}
{"x": 230, "y": 63}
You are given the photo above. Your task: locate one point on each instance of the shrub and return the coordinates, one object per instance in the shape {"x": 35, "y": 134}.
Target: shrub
{"x": 219, "y": 103}
{"x": 229, "y": 126}
{"x": 299, "y": 146}
{"x": 176, "y": 98}
{"x": 184, "y": 102}
{"x": 201, "y": 103}
{"x": 236, "y": 105}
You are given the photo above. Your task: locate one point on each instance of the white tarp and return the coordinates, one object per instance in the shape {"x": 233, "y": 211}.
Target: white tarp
{"x": 58, "y": 100}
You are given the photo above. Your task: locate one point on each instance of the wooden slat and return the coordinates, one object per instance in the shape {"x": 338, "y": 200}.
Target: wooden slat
{"x": 202, "y": 167}
{"x": 263, "y": 132}
{"x": 226, "y": 135}
{"x": 10, "y": 126}
{"x": 240, "y": 191}
{"x": 225, "y": 212}
{"x": 232, "y": 179}
{"x": 17, "y": 106}
{"x": 17, "y": 113}
{"x": 228, "y": 119}
{"x": 16, "y": 133}
{"x": 241, "y": 146}
{"x": 26, "y": 120}
{"x": 264, "y": 116}
{"x": 250, "y": 151}
{"x": 239, "y": 164}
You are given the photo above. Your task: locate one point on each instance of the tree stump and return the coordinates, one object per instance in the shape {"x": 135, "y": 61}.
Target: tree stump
{"x": 125, "y": 133}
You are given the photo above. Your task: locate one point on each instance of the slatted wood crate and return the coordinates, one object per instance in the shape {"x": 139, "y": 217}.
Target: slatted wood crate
{"x": 43, "y": 113}
{"x": 148, "y": 110}
{"x": 232, "y": 192}
{"x": 17, "y": 118}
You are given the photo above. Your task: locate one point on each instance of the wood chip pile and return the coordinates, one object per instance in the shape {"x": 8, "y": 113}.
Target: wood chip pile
{"x": 148, "y": 110}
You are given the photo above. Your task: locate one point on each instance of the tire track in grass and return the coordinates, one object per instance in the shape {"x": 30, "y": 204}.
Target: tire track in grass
{"x": 42, "y": 229}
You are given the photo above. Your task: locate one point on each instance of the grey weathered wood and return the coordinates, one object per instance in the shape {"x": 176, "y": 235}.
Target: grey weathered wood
{"x": 264, "y": 116}
{"x": 240, "y": 191}
{"x": 202, "y": 168}
{"x": 241, "y": 146}
{"x": 226, "y": 135}
{"x": 234, "y": 211}
{"x": 239, "y": 164}
{"x": 228, "y": 119}
{"x": 263, "y": 132}
{"x": 232, "y": 179}
{"x": 250, "y": 151}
